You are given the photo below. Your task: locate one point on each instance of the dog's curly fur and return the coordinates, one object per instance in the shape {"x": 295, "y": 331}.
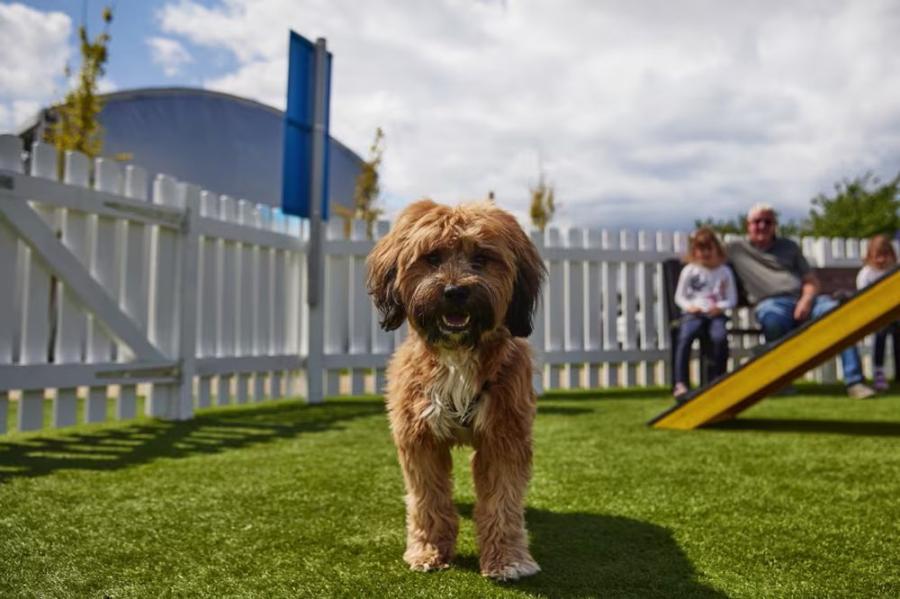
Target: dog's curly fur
{"x": 467, "y": 279}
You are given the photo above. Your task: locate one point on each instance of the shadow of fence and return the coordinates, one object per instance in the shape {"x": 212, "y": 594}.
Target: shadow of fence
{"x": 143, "y": 442}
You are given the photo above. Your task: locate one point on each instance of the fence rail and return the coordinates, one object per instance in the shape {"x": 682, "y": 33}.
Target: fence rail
{"x": 118, "y": 288}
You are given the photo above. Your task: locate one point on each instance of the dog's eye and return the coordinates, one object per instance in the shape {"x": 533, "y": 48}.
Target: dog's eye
{"x": 479, "y": 261}
{"x": 433, "y": 258}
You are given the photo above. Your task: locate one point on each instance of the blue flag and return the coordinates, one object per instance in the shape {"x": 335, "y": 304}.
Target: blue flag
{"x": 299, "y": 117}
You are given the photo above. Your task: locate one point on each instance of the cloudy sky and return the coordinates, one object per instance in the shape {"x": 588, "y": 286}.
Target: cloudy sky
{"x": 643, "y": 113}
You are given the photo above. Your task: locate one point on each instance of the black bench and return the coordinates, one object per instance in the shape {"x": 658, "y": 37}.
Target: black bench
{"x": 839, "y": 282}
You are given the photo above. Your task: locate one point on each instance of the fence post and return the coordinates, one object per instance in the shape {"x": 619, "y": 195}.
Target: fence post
{"x": 34, "y": 296}
{"x": 134, "y": 280}
{"x": 315, "y": 327}
{"x": 609, "y": 274}
{"x": 664, "y": 249}
{"x": 10, "y": 159}
{"x": 554, "y": 328}
{"x": 574, "y": 305}
{"x": 627, "y": 272}
{"x": 209, "y": 296}
{"x": 295, "y": 265}
{"x": 102, "y": 237}
{"x": 594, "y": 307}
{"x": 265, "y": 295}
{"x": 360, "y": 309}
{"x": 166, "y": 263}
{"x": 228, "y": 302}
{"x": 335, "y": 297}
{"x": 647, "y": 304}
{"x": 246, "y": 301}
{"x": 538, "y": 337}
{"x": 187, "y": 292}
{"x": 72, "y": 320}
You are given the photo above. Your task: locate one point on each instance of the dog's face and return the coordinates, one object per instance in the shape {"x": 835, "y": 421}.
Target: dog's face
{"x": 456, "y": 273}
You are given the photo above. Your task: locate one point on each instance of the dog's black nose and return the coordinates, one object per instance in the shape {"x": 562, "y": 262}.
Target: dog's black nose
{"x": 456, "y": 293}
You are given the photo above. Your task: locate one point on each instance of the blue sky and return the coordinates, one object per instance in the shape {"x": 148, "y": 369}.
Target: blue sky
{"x": 643, "y": 114}
{"x": 131, "y": 62}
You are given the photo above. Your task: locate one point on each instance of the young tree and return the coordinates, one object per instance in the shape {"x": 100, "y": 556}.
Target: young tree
{"x": 861, "y": 207}
{"x": 543, "y": 203}
{"x": 75, "y": 125}
{"x": 738, "y": 226}
{"x": 792, "y": 228}
{"x": 368, "y": 185}
{"x": 723, "y": 226}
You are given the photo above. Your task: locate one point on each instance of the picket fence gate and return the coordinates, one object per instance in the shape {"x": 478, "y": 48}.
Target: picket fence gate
{"x": 118, "y": 290}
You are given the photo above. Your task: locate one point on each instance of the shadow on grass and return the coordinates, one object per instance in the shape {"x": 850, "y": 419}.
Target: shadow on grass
{"x": 140, "y": 443}
{"x": 562, "y": 410}
{"x": 861, "y": 428}
{"x": 592, "y": 555}
{"x": 801, "y": 389}
{"x": 607, "y": 393}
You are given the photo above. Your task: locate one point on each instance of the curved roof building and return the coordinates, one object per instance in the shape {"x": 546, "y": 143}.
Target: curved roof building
{"x": 223, "y": 143}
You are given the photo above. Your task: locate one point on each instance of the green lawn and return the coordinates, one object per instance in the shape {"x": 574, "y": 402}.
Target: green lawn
{"x": 798, "y": 498}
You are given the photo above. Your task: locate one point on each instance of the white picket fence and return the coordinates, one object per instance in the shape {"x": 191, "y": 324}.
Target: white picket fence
{"x": 191, "y": 299}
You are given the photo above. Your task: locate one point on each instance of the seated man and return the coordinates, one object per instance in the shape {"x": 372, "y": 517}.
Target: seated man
{"x": 778, "y": 280}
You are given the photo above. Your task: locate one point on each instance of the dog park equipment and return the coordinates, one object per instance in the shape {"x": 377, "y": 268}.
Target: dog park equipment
{"x": 806, "y": 347}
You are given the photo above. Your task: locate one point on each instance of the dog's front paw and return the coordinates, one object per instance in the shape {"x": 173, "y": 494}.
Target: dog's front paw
{"x": 508, "y": 571}
{"x": 426, "y": 558}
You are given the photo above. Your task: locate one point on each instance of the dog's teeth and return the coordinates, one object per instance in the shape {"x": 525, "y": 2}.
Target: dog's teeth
{"x": 456, "y": 321}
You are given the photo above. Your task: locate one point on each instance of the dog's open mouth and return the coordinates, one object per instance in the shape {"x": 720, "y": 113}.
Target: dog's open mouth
{"x": 454, "y": 322}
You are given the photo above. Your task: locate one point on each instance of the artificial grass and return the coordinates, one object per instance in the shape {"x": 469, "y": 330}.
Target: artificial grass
{"x": 798, "y": 498}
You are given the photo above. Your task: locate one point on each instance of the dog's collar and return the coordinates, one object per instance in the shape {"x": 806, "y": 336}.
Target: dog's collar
{"x": 465, "y": 419}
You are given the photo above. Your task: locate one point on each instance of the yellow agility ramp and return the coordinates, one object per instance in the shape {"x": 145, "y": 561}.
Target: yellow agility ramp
{"x": 806, "y": 347}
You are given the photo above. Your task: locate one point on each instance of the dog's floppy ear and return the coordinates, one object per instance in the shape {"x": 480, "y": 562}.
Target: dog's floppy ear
{"x": 381, "y": 285}
{"x": 381, "y": 282}
{"x": 530, "y": 272}
{"x": 382, "y": 265}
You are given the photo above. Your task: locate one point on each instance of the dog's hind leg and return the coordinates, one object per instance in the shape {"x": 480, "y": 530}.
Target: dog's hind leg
{"x": 501, "y": 469}
{"x": 431, "y": 519}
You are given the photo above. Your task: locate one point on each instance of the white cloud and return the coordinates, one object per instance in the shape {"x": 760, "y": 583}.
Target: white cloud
{"x": 169, "y": 54}
{"x": 106, "y": 85}
{"x": 646, "y": 113}
{"x": 35, "y": 50}
{"x": 23, "y": 111}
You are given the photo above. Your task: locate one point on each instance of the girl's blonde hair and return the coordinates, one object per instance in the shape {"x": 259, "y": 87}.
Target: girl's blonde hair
{"x": 703, "y": 238}
{"x": 877, "y": 245}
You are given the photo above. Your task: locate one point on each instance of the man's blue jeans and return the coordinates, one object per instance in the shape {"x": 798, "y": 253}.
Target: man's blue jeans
{"x": 776, "y": 315}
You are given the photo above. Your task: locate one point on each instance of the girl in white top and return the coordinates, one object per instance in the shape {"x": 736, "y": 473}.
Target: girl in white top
{"x": 706, "y": 288}
{"x": 880, "y": 258}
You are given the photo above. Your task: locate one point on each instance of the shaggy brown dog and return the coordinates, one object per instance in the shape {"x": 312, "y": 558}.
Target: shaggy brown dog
{"x": 467, "y": 279}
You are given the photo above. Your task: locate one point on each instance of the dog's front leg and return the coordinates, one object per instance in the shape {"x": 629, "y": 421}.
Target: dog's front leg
{"x": 501, "y": 467}
{"x": 431, "y": 519}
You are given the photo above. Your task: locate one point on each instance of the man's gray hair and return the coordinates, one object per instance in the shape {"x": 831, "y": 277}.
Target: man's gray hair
{"x": 761, "y": 207}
